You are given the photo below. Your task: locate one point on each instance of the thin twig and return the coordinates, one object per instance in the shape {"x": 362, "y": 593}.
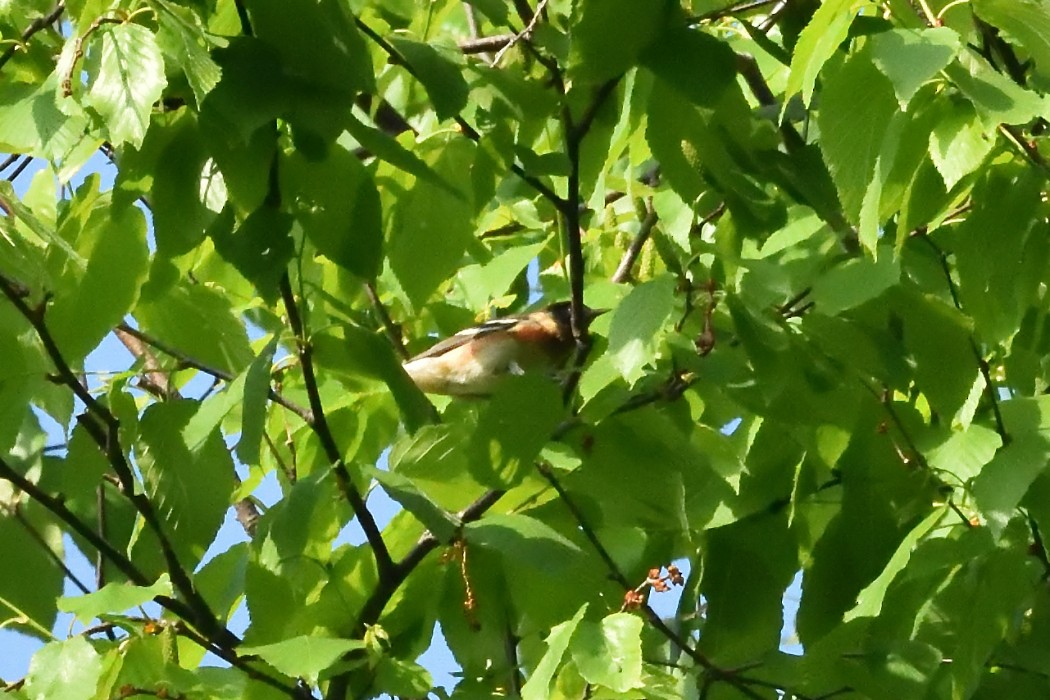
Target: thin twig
{"x": 320, "y": 426}
{"x": 465, "y": 128}
{"x": 37, "y": 537}
{"x": 78, "y": 49}
{"x": 485, "y": 44}
{"x": 524, "y": 35}
{"x": 20, "y": 168}
{"x": 34, "y": 27}
{"x": 103, "y": 427}
{"x": 159, "y": 384}
{"x": 626, "y": 266}
{"x": 731, "y": 10}
{"x": 222, "y": 374}
{"x": 393, "y": 332}
{"x": 990, "y": 390}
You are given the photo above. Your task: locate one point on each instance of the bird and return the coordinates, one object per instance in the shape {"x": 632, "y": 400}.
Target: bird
{"x": 472, "y": 362}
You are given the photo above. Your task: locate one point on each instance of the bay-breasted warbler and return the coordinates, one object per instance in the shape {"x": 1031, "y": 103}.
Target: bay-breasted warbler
{"x": 472, "y": 362}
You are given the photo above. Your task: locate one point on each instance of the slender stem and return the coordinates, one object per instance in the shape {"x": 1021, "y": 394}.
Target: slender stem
{"x": 34, "y": 27}
{"x": 320, "y": 426}
{"x": 626, "y": 266}
{"x": 465, "y": 128}
{"x": 216, "y": 372}
{"x": 393, "y": 333}
{"x": 37, "y": 537}
{"x": 103, "y": 427}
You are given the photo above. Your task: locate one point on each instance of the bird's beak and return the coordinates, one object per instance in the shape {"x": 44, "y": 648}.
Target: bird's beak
{"x": 592, "y": 314}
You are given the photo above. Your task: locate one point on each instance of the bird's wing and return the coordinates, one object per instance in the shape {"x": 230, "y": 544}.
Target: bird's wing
{"x": 465, "y": 336}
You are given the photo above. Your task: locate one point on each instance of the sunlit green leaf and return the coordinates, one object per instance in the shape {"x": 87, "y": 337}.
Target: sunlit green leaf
{"x": 129, "y": 82}
{"x": 114, "y": 598}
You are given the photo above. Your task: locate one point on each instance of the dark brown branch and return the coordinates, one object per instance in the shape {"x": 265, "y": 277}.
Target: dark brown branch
{"x": 485, "y": 44}
{"x": 103, "y": 427}
{"x": 20, "y": 168}
{"x": 748, "y": 68}
{"x": 78, "y": 50}
{"x": 157, "y": 382}
{"x": 34, "y": 27}
{"x": 222, "y": 374}
{"x": 384, "y": 591}
{"x": 320, "y": 426}
{"x": 624, "y": 270}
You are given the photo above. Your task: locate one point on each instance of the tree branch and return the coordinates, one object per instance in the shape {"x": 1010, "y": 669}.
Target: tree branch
{"x": 222, "y": 374}
{"x": 34, "y": 27}
{"x": 103, "y": 427}
{"x": 465, "y": 128}
{"x": 651, "y": 615}
{"x": 393, "y": 332}
{"x": 157, "y": 382}
{"x": 626, "y": 266}
{"x": 320, "y": 426}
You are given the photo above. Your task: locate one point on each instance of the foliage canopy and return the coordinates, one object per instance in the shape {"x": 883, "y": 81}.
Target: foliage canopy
{"x": 822, "y": 229}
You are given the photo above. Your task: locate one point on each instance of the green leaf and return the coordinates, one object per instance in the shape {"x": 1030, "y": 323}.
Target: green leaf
{"x": 1004, "y": 481}
{"x": 965, "y": 452}
{"x": 442, "y": 524}
{"x": 484, "y": 282}
{"x": 190, "y": 488}
{"x": 538, "y": 685}
{"x": 337, "y": 204}
{"x": 317, "y": 41}
{"x": 31, "y": 122}
{"x": 869, "y": 600}
{"x": 609, "y": 653}
{"x": 989, "y": 600}
{"x": 390, "y": 150}
{"x": 186, "y": 42}
{"x": 440, "y": 71}
{"x": 998, "y": 255}
{"x": 69, "y": 670}
{"x": 959, "y": 144}
{"x": 514, "y": 426}
{"x": 998, "y": 99}
{"x": 361, "y": 352}
{"x": 260, "y": 248}
{"x": 114, "y": 598}
{"x": 402, "y": 678}
{"x": 635, "y": 325}
{"x": 854, "y": 282}
{"x": 27, "y": 600}
{"x": 525, "y": 540}
{"x": 130, "y": 80}
{"x": 89, "y": 303}
{"x": 938, "y": 337}
{"x": 303, "y": 656}
{"x": 687, "y": 496}
{"x": 425, "y": 250}
{"x": 857, "y": 106}
{"x": 745, "y": 610}
{"x": 199, "y": 321}
{"x": 818, "y": 42}
{"x": 1026, "y": 21}
{"x": 909, "y": 58}
{"x": 609, "y": 35}
{"x": 168, "y": 168}
{"x": 256, "y": 399}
